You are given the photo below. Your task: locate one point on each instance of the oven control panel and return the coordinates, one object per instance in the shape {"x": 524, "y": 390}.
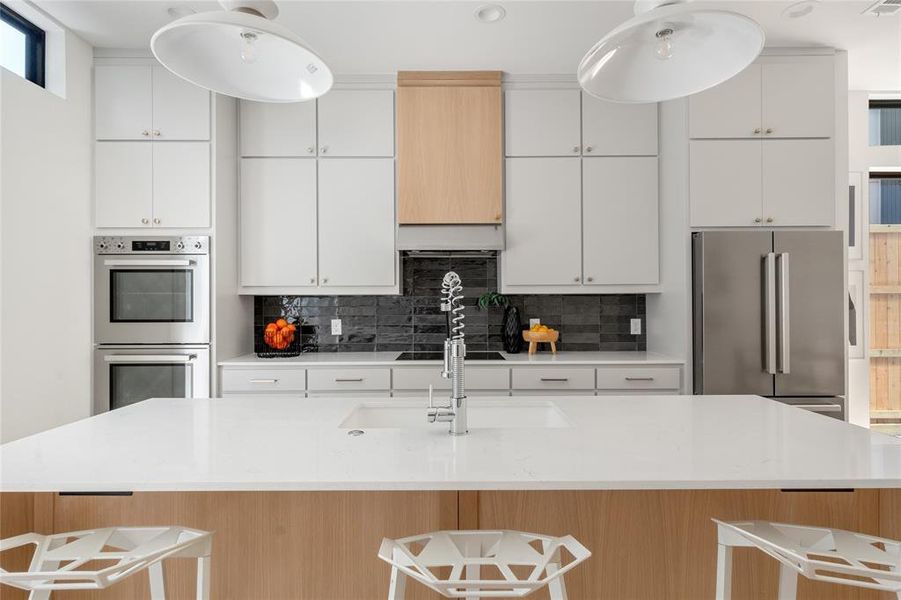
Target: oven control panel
{"x": 197, "y": 244}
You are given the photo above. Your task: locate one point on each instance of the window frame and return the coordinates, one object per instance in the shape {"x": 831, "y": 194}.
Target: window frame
{"x": 35, "y": 43}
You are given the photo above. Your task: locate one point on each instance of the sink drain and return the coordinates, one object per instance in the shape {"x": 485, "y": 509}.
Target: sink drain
{"x": 356, "y": 432}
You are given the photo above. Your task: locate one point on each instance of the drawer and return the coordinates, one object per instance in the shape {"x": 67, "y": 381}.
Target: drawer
{"x": 263, "y": 380}
{"x": 638, "y": 378}
{"x": 558, "y": 378}
{"x": 337, "y": 380}
{"x": 477, "y": 378}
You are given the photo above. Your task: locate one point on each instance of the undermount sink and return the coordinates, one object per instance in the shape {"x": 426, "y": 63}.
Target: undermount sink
{"x": 483, "y": 414}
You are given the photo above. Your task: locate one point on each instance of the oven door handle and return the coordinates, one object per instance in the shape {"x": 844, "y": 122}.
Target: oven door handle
{"x": 147, "y": 262}
{"x": 150, "y": 358}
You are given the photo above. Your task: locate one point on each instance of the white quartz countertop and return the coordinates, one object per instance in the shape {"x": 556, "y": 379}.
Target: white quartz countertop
{"x": 613, "y": 442}
{"x": 356, "y": 359}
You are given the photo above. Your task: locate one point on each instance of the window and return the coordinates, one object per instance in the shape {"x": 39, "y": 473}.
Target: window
{"x": 885, "y": 198}
{"x": 885, "y": 122}
{"x": 21, "y": 46}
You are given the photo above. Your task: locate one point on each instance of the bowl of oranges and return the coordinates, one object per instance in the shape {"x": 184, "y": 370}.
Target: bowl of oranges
{"x": 280, "y": 338}
{"x": 541, "y": 334}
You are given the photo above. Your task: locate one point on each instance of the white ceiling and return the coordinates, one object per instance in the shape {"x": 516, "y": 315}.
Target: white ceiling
{"x": 536, "y": 37}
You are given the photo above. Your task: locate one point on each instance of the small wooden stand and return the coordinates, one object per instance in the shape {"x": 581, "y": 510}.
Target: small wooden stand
{"x": 541, "y": 337}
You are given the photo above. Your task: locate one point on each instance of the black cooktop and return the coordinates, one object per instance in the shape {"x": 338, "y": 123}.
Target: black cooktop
{"x": 440, "y": 356}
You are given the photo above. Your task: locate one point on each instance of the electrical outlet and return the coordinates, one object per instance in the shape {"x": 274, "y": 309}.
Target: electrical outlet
{"x": 534, "y": 322}
{"x": 636, "y": 326}
{"x": 336, "y": 326}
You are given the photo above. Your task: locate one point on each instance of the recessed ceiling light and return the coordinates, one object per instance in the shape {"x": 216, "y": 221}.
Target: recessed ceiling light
{"x": 490, "y": 13}
{"x": 800, "y": 9}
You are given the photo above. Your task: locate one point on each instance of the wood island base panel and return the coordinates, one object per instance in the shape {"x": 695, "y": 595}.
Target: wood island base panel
{"x": 650, "y": 544}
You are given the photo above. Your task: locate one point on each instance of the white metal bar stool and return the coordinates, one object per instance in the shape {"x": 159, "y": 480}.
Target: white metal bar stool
{"x": 57, "y": 558}
{"x": 817, "y": 553}
{"x": 482, "y": 564}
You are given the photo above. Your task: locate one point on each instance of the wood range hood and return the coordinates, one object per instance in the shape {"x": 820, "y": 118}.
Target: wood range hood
{"x": 449, "y": 160}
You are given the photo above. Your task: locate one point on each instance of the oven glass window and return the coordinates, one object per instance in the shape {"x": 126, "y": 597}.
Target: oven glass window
{"x": 152, "y": 295}
{"x": 130, "y": 383}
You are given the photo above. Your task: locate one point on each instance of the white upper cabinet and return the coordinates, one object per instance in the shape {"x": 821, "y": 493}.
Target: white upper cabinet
{"x": 181, "y": 184}
{"x": 356, "y": 123}
{"x": 725, "y": 183}
{"x": 123, "y": 191}
{"x": 278, "y": 222}
{"x": 617, "y": 129}
{"x": 542, "y": 122}
{"x": 620, "y": 221}
{"x": 271, "y": 129}
{"x": 796, "y": 188}
{"x": 356, "y": 222}
{"x": 123, "y": 102}
{"x": 543, "y": 222}
{"x": 143, "y": 102}
{"x": 729, "y": 110}
{"x": 776, "y": 97}
{"x": 798, "y": 98}
{"x": 181, "y": 110}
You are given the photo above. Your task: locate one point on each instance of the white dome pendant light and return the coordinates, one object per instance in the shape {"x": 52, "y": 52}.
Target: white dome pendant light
{"x": 669, "y": 50}
{"x": 240, "y": 52}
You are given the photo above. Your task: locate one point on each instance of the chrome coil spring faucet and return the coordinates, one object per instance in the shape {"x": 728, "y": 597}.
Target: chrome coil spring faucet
{"x": 454, "y": 358}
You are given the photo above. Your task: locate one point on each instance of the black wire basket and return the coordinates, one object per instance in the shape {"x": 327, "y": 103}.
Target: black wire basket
{"x": 278, "y": 343}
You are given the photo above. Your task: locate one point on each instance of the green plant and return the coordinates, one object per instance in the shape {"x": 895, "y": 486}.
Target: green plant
{"x": 489, "y": 299}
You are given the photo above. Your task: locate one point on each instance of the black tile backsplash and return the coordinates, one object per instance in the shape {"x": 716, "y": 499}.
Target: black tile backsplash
{"x": 413, "y": 321}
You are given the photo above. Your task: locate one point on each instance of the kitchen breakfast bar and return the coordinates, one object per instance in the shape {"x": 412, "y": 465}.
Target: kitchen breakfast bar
{"x": 300, "y": 491}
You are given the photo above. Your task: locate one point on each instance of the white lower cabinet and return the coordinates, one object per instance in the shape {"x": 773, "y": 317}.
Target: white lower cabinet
{"x": 543, "y": 222}
{"x": 482, "y": 381}
{"x": 278, "y": 222}
{"x": 356, "y": 222}
{"x": 620, "y": 211}
{"x": 152, "y": 184}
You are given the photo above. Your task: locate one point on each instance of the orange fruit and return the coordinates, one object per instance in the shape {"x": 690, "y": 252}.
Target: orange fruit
{"x": 281, "y": 323}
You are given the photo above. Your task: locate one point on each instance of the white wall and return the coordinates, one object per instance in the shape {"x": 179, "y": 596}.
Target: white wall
{"x": 45, "y": 250}
{"x": 233, "y": 314}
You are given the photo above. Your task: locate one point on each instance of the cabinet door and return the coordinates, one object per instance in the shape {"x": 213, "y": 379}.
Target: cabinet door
{"x": 617, "y": 129}
{"x": 799, "y": 182}
{"x": 725, "y": 183}
{"x": 123, "y": 184}
{"x": 356, "y": 222}
{"x": 181, "y": 184}
{"x": 269, "y": 129}
{"x": 620, "y": 211}
{"x": 181, "y": 110}
{"x": 799, "y": 97}
{"x": 542, "y": 122}
{"x": 729, "y": 110}
{"x": 356, "y": 123}
{"x": 123, "y": 107}
{"x": 544, "y": 222}
{"x": 278, "y": 222}
{"x": 449, "y": 155}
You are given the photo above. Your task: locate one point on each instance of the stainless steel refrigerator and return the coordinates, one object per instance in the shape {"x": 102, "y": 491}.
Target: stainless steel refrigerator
{"x": 769, "y": 319}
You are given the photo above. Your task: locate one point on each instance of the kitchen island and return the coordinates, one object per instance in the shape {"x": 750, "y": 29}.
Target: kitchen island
{"x": 299, "y": 504}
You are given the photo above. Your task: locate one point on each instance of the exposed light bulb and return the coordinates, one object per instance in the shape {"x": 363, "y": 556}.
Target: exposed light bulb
{"x": 664, "y": 48}
{"x": 248, "y": 48}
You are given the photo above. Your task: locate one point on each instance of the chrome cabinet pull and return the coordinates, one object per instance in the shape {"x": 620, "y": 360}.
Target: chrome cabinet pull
{"x": 310, "y": 149}
{"x": 639, "y": 379}
{"x": 157, "y": 221}
{"x": 589, "y": 148}
{"x": 323, "y": 150}
{"x": 575, "y": 148}
{"x": 555, "y": 379}
{"x": 758, "y": 220}
{"x": 264, "y": 381}
{"x": 769, "y": 130}
{"x": 769, "y": 286}
{"x": 757, "y": 131}
{"x": 145, "y": 221}
{"x": 156, "y": 133}
{"x": 145, "y": 133}
{"x": 782, "y": 288}
{"x": 348, "y": 380}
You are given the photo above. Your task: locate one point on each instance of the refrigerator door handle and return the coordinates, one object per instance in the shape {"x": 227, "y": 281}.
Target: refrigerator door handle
{"x": 769, "y": 290}
{"x": 784, "y": 331}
